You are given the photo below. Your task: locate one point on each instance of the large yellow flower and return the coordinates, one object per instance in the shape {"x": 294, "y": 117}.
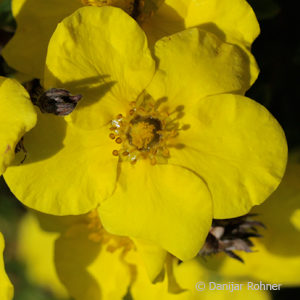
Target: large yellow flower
{"x": 231, "y": 20}
{"x": 17, "y": 116}
{"x": 6, "y": 288}
{"x": 161, "y": 149}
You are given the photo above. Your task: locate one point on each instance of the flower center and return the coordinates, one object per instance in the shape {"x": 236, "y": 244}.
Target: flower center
{"x": 146, "y": 132}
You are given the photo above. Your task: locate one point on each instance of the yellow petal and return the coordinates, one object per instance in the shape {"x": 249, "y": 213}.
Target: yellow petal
{"x": 6, "y": 288}
{"x": 35, "y": 249}
{"x": 237, "y": 147}
{"x": 36, "y": 21}
{"x": 165, "y": 204}
{"x": 103, "y": 55}
{"x": 88, "y": 269}
{"x": 231, "y": 21}
{"x": 67, "y": 170}
{"x": 194, "y": 64}
{"x": 17, "y": 116}
{"x": 153, "y": 257}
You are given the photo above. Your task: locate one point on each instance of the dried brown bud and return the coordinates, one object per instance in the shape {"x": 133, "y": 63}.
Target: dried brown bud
{"x": 229, "y": 235}
{"x": 57, "y": 101}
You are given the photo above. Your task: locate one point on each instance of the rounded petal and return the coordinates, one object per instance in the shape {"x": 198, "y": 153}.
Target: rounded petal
{"x": 6, "y": 288}
{"x": 232, "y": 20}
{"x": 17, "y": 116}
{"x": 103, "y": 55}
{"x": 35, "y": 249}
{"x": 165, "y": 204}
{"x": 88, "y": 269}
{"x": 67, "y": 170}
{"x": 194, "y": 64}
{"x": 36, "y": 21}
{"x": 237, "y": 147}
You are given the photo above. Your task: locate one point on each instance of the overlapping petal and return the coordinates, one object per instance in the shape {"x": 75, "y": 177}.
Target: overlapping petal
{"x": 36, "y": 21}
{"x": 6, "y": 288}
{"x": 61, "y": 173}
{"x": 237, "y": 147}
{"x": 17, "y": 116}
{"x": 238, "y": 25}
{"x": 168, "y": 205}
{"x": 193, "y": 64}
{"x": 232, "y": 20}
{"x": 107, "y": 60}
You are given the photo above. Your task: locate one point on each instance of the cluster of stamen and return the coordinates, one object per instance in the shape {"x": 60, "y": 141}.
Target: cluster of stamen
{"x": 98, "y": 234}
{"x": 146, "y": 132}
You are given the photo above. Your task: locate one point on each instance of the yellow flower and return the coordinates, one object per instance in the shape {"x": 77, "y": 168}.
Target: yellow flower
{"x": 232, "y": 21}
{"x": 94, "y": 264}
{"x": 6, "y": 288}
{"x": 17, "y": 117}
{"x": 155, "y": 147}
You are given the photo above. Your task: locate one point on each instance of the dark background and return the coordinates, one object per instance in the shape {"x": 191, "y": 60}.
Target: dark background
{"x": 277, "y": 51}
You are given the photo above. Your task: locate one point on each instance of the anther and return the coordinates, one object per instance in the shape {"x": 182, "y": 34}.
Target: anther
{"x": 118, "y": 140}
{"x": 119, "y": 116}
{"x": 153, "y": 161}
{"x": 112, "y": 136}
{"x": 166, "y": 152}
{"x": 125, "y": 153}
{"x": 115, "y": 152}
{"x": 133, "y": 162}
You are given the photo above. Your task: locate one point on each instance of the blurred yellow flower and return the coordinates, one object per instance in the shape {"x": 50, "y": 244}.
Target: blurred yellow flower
{"x": 232, "y": 21}
{"x": 93, "y": 264}
{"x": 6, "y": 288}
{"x": 35, "y": 249}
{"x": 276, "y": 256}
{"x": 155, "y": 148}
{"x": 17, "y": 116}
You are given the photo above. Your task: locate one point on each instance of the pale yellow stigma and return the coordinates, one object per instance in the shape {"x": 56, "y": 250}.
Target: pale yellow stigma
{"x": 142, "y": 134}
{"x": 146, "y": 132}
